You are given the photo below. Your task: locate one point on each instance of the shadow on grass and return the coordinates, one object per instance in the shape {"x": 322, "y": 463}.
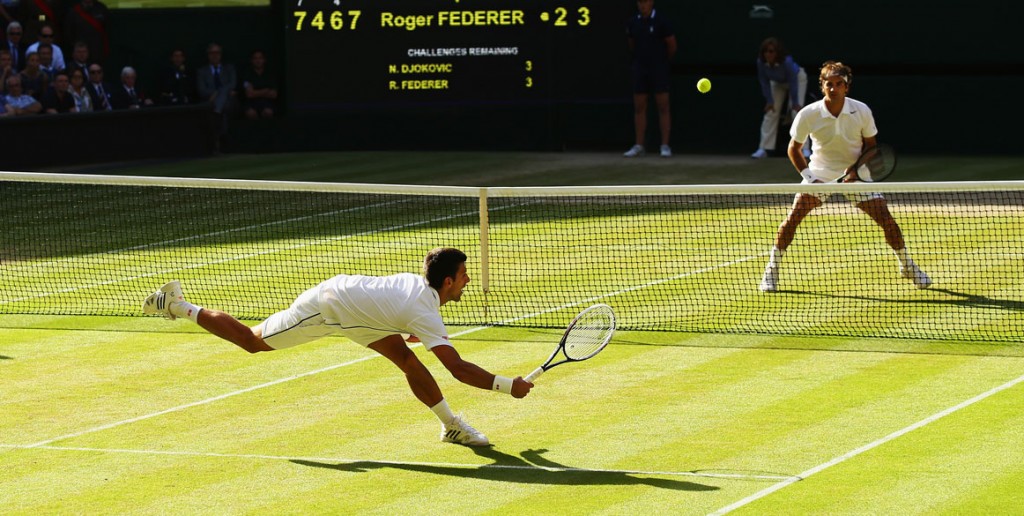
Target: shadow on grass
{"x": 956, "y": 299}
{"x": 530, "y": 468}
{"x": 4, "y": 357}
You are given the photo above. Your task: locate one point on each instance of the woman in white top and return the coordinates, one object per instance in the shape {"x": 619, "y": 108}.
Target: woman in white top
{"x": 372, "y": 311}
{"x": 78, "y": 92}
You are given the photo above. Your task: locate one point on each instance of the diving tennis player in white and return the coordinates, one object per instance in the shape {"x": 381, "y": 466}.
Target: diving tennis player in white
{"x": 372, "y": 311}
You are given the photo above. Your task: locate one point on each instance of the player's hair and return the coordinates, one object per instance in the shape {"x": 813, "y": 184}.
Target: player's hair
{"x": 441, "y": 263}
{"x": 780, "y": 49}
{"x": 831, "y": 68}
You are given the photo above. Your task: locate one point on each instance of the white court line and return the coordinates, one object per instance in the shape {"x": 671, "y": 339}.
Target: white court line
{"x": 218, "y": 398}
{"x": 867, "y": 447}
{"x": 196, "y": 403}
{"x": 336, "y": 460}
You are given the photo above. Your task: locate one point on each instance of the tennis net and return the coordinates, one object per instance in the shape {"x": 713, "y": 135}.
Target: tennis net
{"x": 680, "y": 258}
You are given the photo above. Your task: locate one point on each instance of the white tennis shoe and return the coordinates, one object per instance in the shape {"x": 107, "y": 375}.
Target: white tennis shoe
{"x": 634, "y": 151}
{"x": 759, "y": 154}
{"x": 460, "y": 432}
{"x": 160, "y": 302}
{"x": 666, "y": 151}
{"x": 915, "y": 274}
{"x": 770, "y": 280}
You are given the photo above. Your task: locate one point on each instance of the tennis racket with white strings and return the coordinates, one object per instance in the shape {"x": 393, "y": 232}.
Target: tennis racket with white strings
{"x": 875, "y": 164}
{"x": 587, "y": 334}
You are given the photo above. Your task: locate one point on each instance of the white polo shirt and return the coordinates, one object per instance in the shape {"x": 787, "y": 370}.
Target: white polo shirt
{"x": 836, "y": 141}
{"x": 58, "y": 55}
{"x": 384, "y": 305}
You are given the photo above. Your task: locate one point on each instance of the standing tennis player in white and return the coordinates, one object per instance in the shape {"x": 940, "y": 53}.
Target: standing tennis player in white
{"x": 840, "y": 129}
{"x": 374, "y": 312}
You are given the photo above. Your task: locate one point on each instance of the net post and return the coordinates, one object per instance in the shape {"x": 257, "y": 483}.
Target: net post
{"x": 484, "y": 250}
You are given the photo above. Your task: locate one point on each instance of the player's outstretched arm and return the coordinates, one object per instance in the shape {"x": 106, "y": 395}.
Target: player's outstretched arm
{"x": 472, "y": 374}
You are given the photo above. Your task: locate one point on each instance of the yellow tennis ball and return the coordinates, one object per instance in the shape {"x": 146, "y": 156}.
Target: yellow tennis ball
{"x": 704, "y": 85}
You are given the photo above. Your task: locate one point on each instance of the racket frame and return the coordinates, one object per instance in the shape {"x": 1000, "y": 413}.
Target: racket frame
{"x": 865, "y": 157}
{"x": 565, "y": 336}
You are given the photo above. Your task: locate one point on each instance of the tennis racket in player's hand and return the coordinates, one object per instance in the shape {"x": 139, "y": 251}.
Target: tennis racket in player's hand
{"x": 587, "y": 334}
{"x": 875, "y": 164}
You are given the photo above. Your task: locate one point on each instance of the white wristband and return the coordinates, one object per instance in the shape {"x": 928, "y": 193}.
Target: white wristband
{"x": 502, "y": 384}
{"x": 806, "y": 174}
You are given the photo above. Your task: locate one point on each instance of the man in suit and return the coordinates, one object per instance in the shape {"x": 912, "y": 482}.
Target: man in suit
{"x": 16, "y": 46}
{"x": 79, "y": 58}
{"x": 99, "y": 91}
{"x": 217, "y": 82}
{"x": 126, "y": 95}
{"x": 177, "y": 86}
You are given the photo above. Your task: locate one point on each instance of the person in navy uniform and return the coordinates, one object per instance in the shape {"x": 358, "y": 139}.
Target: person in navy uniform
{"x": 653, "y": 43}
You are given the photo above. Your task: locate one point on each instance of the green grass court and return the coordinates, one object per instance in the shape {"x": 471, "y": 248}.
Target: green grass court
{"x": 132, "y": 415}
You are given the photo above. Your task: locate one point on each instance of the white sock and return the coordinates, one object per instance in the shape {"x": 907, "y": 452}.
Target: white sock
{"x": 443, "y": 412}
{"x": 903, "y": 256}
{"x": 186, "y": 310}
{"x": 776, "y": 257}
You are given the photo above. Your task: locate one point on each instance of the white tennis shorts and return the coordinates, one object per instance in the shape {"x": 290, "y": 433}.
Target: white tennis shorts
{"x": 303, "y": 322}
{"x": 827, "y": 176}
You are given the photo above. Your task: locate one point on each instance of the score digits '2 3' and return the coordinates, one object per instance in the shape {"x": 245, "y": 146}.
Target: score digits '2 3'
{"x": 561, "y": 15}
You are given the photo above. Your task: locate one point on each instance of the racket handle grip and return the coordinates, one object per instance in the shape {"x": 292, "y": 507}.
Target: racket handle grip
{"x": 533, "y": 376}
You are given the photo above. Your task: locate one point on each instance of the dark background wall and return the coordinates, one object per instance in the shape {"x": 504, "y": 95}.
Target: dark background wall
{"x": 936, "y": 74}
{"x": 941, "y": 77}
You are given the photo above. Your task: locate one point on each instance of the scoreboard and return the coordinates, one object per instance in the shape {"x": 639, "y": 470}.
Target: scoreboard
{"x": 357, "y": 54}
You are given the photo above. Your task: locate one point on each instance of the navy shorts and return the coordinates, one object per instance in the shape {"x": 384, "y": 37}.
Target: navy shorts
{"x": 650, "y": 79}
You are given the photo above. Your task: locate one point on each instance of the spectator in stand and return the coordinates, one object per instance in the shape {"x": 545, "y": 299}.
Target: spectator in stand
{"x": 127, "y": 95}
{"x": 260, "y": 88}
{"x": 6, "y": 70}
{"x": 46, "y": 37}
{"x": 177, "y": 87}
{"x": 87, "y": 21}
{"x": 34, "y": 80}
{"x": 3, "y": 106}
{"x": 16, "y": 46}
{"x": 99, "y": 91}
{"x": 19, "y": 104}
{"x": 217, "y": 81}
{"x": 80, "y": 58}
{"x": 58, "y": 99}
{"x": 45, "y": 53}
{"x": 78, "y": 91}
